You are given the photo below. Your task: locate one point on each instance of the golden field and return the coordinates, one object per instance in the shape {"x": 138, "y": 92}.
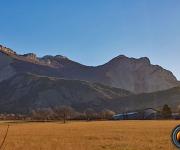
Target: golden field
{"x": 100, "y": 135}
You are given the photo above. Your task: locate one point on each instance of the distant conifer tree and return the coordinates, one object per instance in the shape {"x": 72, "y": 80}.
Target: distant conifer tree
{"x": 166, "y": 112}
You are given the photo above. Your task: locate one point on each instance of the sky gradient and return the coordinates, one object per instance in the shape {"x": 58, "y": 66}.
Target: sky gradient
{"x": 94, "y": 31}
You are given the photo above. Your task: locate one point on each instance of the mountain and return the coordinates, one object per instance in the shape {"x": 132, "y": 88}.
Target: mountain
{"x": 134, "y": 75}
{"x": 154, "y": 100}
{"x": 24, "y": 92}
{"x": 123, "y": 84}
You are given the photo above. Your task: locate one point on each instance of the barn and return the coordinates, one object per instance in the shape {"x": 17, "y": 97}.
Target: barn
{"x": 148, "y": 113}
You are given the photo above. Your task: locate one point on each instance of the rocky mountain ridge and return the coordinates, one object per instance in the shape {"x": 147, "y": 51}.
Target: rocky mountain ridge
{"x": 123, "y": 84}
{"x": 135, "y": 75}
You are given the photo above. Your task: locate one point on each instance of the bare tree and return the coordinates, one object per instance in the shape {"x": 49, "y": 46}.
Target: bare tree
{"x": 43, "y": 114}
{"x": 64, "y": 112}
{"x": 107, "y": 114}
{"x": 166, "y": 112}
{"x": 79, "y": 116}
{"x": 90, "y": 114}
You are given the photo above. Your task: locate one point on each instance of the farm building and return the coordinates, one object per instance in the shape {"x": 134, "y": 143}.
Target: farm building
{"x": 127, "y": 116}
{"x": 148, "y": 113}
{"x": 176, "y": 116}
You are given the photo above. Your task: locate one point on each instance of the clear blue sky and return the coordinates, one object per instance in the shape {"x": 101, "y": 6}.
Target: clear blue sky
{"x": 94, "y": 31}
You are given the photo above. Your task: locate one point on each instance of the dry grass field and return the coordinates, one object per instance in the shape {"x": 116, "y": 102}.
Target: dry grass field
{"x": 102, "y": 135}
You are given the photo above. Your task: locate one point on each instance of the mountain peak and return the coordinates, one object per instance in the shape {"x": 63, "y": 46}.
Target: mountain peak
{"x": 54, "y": 57}
{"x": 31, "y": 56}
{"x": 145, "y": 60}
{"x": 7, "y": 50}
{"x": 124, "y": 58}
{"x": 60, "y": 57}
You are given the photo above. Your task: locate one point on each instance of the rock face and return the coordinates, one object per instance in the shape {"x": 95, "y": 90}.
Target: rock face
{"x": 135, "y": 75}
{"x": 7, "y": 50}
{"x": 138, "y": 75}
{"x": 31, "y": 56}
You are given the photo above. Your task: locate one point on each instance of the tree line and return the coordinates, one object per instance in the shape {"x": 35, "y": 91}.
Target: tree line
{"x": 65, "y": 113}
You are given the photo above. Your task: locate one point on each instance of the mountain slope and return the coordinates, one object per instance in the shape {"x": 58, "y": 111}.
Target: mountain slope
{"x": 154, "y": 100}
{"x": 24, "y": 92}
{"x": 135, "y": 75}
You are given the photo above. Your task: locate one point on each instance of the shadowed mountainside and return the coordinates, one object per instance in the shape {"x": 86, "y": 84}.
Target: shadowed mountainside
{"x": 24, "y": 92}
